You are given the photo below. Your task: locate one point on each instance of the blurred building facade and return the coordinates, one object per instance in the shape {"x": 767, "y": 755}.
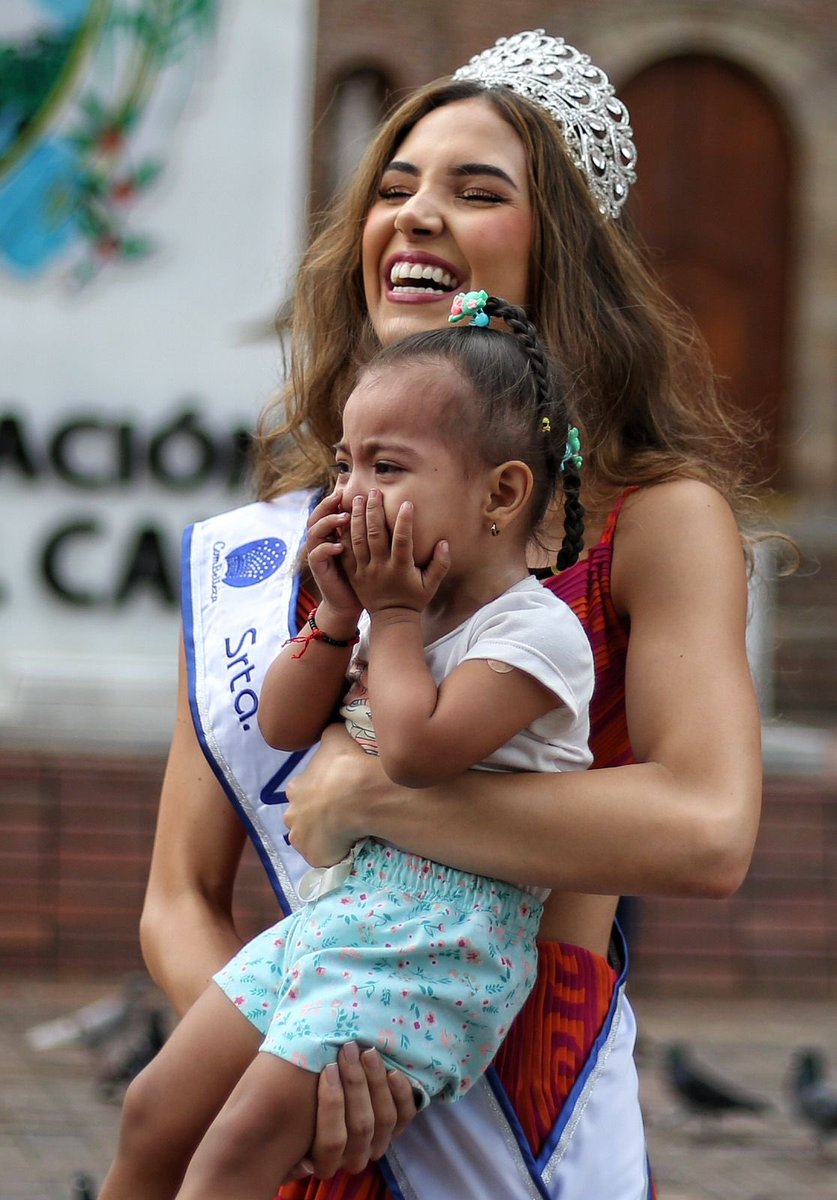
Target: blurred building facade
{"x": 735, "y": 112}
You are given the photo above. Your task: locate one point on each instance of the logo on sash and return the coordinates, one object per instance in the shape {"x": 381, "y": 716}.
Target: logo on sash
{"x": 254, "y": 562}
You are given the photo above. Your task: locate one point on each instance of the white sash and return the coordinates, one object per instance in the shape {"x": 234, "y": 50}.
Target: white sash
{"x": 239, "y": 599}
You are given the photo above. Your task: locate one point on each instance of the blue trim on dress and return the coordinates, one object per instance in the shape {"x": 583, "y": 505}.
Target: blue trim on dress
{"x": 389, "y": 1179}
{"x": 525, "y": 1150}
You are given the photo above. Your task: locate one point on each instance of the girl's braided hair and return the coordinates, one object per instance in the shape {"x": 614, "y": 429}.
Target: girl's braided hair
{"x": 518, "y": 409}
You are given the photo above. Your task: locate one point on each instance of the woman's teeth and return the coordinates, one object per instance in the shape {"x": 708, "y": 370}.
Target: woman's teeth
{"x": 418, "y": 277}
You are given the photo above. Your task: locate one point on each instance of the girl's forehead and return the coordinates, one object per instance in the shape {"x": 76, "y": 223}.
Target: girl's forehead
{"x": 406, "y": 393}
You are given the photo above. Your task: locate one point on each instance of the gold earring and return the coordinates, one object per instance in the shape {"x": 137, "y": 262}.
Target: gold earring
{"x": 495, "y": 532}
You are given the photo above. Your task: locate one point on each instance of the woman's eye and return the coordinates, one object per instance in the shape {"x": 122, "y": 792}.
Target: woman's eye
{"x": 386, "y": 468}
{"x": 340, "y": 468}
{"x": 394, "y": 192}
{"x": 483, "y": 196}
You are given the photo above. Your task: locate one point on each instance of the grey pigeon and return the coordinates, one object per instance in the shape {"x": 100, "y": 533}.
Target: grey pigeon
{"x": 814, "y": 1098}
{"x": 705, "y": 1095}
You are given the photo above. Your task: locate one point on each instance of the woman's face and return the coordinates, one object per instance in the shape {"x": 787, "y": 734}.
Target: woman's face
{"x": 453, "y": 214}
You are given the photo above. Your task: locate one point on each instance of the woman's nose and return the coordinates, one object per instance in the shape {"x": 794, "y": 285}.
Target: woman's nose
{"x": 419, "y": 216}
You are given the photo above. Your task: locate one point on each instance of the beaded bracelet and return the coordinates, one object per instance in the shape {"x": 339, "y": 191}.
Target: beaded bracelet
{"x": 315, "y": 634}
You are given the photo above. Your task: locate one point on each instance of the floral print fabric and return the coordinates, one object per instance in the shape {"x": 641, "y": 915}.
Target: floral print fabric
{"x": 426, "y": 963}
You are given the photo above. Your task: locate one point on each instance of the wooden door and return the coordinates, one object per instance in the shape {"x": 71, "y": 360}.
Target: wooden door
{"x": 712, "y": 201}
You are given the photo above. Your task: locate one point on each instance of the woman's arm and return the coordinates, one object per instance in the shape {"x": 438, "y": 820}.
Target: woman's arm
{"x": 186, "y": 929}
{"x": 682, "y": 821}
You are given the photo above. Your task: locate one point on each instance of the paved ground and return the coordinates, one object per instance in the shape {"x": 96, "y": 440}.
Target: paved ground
{"x": 54, "y": 1123}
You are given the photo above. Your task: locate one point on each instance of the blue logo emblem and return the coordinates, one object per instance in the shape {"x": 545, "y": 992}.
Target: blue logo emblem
{"x": 254, "y": 562}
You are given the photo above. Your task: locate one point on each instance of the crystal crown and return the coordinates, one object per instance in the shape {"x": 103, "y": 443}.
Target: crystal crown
{"x": 594, "y": 121}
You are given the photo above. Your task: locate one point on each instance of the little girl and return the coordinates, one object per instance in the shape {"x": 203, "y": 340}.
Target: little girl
{"x": 454, "y": 443}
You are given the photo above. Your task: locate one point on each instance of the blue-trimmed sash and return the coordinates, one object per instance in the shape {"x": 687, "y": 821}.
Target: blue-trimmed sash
{"x": 239, "y": 604}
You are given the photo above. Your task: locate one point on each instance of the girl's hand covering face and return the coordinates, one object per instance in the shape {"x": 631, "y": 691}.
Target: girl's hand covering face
{"x": 381, "y": 569}
{"x": 326, "y": 527}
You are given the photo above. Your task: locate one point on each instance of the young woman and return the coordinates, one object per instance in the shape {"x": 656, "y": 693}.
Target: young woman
{"x": 510, "y": 178}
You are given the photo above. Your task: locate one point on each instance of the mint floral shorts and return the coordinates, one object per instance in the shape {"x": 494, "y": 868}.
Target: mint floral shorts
{"x": 428, "y": 964}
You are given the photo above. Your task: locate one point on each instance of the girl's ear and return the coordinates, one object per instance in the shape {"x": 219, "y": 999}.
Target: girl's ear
{"x": 510, "y": 486}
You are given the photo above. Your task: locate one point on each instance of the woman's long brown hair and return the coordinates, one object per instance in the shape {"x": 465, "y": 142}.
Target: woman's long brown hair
{"x": 639, "y": 374}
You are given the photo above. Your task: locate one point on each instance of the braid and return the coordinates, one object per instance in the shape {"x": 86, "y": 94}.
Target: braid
{"x": 551, "y": 409}
{"x": 573, "y": 542}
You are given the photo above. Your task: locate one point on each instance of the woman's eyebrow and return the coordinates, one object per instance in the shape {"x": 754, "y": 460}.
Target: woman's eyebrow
{"x": 406, "y": 168}
{"x": 463, "y": 170}
{"x": 468, "y": 169}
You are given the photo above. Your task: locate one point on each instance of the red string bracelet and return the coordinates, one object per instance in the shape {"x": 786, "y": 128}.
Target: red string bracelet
{"x": 315, "y": 634}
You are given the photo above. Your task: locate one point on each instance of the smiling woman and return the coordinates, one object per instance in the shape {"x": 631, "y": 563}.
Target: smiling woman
{"x": 453, "y": 208}
{"x": 508, "y": 177}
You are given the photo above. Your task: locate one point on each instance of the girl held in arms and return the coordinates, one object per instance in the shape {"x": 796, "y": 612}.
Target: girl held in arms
{"x": 453, "y": 445}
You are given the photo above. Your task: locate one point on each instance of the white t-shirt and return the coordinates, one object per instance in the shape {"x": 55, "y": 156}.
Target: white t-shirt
{"x": 529, "y": 628}
{"x": 526, "y": 627}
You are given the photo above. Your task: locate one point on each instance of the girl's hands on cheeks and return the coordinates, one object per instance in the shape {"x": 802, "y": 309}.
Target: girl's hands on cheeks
{"x": 381, "y": 569}
{"x": 327, "y": 528}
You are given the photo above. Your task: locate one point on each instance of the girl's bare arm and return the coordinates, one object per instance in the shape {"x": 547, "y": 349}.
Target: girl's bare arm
{"x": 305, "y": 680}
{"x": 427, "y": 734}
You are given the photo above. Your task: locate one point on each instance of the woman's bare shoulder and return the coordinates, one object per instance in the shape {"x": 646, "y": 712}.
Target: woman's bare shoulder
{"x": 674, "y": 532}
{"x": 674, "y": 500}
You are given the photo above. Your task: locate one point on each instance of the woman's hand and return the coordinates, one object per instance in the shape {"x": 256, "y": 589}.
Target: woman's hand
{"x": 320, "y": 817}
{"x": 361, "y": 1107}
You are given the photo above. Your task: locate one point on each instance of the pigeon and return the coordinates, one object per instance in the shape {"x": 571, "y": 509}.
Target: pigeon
{"x": 815, "y": 1099}
{"x": 82, "y": 1187}
{"x": 130, "y": 1055}
{"x": 702, "y": 1094}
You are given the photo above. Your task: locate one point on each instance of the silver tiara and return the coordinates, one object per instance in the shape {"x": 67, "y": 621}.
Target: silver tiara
{"x": 557, "y": 77}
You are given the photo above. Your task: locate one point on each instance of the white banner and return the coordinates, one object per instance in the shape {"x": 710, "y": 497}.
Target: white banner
{"x": 153, "y": 174}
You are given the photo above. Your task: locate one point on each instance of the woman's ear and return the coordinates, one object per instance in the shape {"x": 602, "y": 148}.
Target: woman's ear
{"x": 510, "y": 487}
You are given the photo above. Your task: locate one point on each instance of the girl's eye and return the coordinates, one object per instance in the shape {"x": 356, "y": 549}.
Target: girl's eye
{"x": 340, "y": 468}
{"x": 386, "y": 468}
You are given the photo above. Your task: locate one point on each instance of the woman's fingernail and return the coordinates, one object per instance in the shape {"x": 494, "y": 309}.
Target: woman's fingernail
{"x": 307, "y": 1167}
{"x": 351, "y": 1052}
{"x": 371, "y": 1058}
{"x": 373, "y": 494}
{"x": 332, "y": 1075}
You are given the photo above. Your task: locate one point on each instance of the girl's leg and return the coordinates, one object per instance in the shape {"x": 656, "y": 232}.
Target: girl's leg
{"x": 261, "y": 1133}
{"x": 170, "y": 1105}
